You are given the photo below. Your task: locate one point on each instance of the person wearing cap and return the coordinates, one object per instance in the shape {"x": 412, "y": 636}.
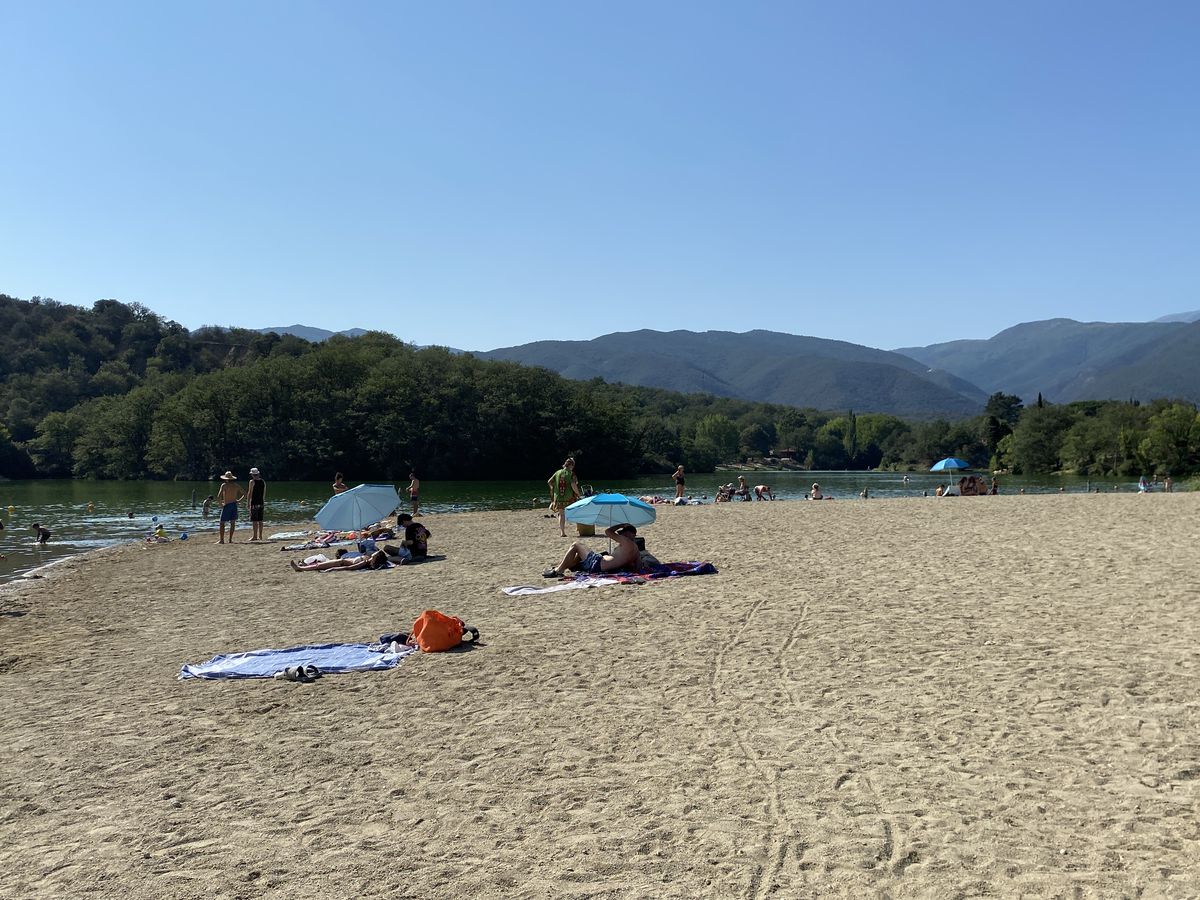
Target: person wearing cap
{"x": 256, "y": 501}
{"x": 229, "y": 496}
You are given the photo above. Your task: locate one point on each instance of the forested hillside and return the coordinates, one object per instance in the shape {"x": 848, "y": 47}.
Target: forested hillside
{"x": 116, "y": 391}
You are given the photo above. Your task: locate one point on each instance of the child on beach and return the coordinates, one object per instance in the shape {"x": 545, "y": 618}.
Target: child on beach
{"x": 43, "y": 533}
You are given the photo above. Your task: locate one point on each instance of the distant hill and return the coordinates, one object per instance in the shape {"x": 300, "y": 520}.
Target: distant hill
{"x": 1193, "y": 316}
{"x": 309, "y": 333}
{"x": 759, "y": 365}
{"x": 1169, "y": 368}
{"x": 1066, "y": 360}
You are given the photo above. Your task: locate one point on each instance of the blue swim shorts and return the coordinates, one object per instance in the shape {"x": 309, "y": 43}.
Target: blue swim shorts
{"x": 591, "y": 563}
{"x": 229, "y": 512}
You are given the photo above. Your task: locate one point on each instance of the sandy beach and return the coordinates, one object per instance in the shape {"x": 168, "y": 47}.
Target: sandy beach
{"x": 902, "y": 698}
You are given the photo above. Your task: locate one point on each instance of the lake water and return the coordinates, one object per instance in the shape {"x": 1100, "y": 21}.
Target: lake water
{"x": 85, "y": 515}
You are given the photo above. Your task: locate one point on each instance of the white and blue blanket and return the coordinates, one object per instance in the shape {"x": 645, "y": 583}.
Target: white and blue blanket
{"x": 329, "y": 658}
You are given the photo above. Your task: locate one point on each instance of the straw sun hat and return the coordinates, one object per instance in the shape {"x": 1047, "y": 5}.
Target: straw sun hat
{"x": 229, "y": 476}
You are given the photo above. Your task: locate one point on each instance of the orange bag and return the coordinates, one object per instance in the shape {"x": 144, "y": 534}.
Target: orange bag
{"x": 434, "y": 632}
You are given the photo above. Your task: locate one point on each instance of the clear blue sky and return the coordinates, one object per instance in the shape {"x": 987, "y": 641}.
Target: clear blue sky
{"x": 487, "y": 174}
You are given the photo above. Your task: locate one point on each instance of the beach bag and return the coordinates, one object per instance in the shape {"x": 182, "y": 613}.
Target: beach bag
{"x": 435, "y": 632}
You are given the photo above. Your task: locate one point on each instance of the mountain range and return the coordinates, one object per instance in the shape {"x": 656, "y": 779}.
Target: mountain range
{"x": 1065, "y": 360}
{"x": 309, "y": 333}
{"x": 1061, "y": 359}
{"x": 759, "y": 365}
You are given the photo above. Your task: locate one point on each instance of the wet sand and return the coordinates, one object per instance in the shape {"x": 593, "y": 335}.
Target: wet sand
{"x": 901, "y": 698}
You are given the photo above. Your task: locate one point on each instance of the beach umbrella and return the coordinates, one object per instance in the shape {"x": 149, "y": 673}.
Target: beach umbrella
{"x": 949, "y": 464}
{"x": 357, "y": 507}
{"x": 604, "y": 510}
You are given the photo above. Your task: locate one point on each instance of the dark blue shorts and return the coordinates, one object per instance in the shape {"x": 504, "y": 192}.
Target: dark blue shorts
{"x": 229, "y": 512}
{"x": 591, "y": 563}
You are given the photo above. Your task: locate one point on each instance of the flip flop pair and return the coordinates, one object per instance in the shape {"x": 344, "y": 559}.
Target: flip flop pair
{"x": 301, "y": 674}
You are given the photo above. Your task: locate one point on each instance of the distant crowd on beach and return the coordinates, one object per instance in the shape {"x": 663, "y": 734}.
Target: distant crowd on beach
{"x": 565, "y": 489}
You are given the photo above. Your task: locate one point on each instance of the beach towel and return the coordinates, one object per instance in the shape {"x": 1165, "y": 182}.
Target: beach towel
{"x": 652, "y": 573}
{"x": 673, "y": 570}
{"x": 576, "y": 583}
{"x": 329, "y": 658}
{"x": 316, "y": 545}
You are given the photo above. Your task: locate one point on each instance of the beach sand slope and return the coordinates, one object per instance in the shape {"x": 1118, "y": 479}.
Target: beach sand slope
{"x": 902, "y": 698}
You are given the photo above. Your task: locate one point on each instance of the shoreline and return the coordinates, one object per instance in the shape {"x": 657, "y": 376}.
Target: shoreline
{"x": 870, "y": 698}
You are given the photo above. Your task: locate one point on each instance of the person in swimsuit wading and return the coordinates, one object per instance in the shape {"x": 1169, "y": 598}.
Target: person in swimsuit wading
{"x": 228, "y": 498}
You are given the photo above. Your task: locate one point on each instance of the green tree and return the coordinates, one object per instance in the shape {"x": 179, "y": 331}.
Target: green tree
{"x": 14, "y": 461}
{"x": 716, "y": 439}
{"x": 1038, "y": 439}
{"x": 1172, "y": 441}
{"x": 1005, "y": 408}
{"x": 756, "y": 439}
{"x": 53, "y": 449}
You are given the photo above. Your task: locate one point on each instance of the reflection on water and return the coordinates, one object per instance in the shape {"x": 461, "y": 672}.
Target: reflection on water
{"x": 85, "y": 515}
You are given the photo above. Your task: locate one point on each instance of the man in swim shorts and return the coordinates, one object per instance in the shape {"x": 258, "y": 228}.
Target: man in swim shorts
{"x": 580, "y": 559}
{"x": 228, "y": 498}
{"x": 257, "y": 503}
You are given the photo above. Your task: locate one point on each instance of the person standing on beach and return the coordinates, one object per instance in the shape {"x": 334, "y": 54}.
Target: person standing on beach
{"x": 256, "y": 500}
{"x": 228, "y": 498}
{"x": 414, "y": 490}
{"x": 564, "y": 490}
{"x": 678, "y": 476}
{"x": 338, "y": 485}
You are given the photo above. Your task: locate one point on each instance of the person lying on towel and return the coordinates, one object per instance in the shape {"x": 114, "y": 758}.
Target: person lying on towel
{"x": 579, "y": 558}
{"x": 346, "y": 562}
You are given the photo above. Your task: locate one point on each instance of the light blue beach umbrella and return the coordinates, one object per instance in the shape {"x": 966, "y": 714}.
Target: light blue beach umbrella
{"x": 605, "y": 510}
{"x": 358, "y": 507}
{"x": 949, "y": 464}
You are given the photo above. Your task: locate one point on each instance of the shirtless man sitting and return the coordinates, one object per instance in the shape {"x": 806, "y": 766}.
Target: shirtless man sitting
{"x": 580, "y": 559}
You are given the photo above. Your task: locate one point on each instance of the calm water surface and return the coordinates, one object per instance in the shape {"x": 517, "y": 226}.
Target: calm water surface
{"x": 85, "y": 515}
